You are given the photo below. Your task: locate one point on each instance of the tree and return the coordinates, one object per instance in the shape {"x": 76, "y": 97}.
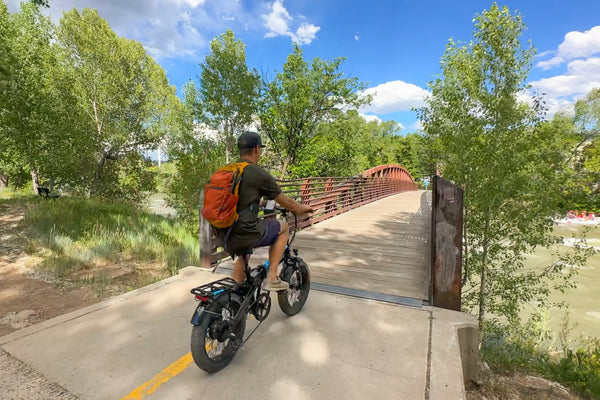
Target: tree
{"x": 337, "y": 149}
{"x": 28, "y": 115}
{"x": 492, "y": 146}
{"x": 228, "y": 90}
{"x": 587, "y": 116}
{"x": 584, "y": 186}
{"x": 43, "y": 3}
{"x": 195, "y": 157}
{"x": 123, "y": 100}
{"x": 301, "y": 97}
{"x": 6, "y": 60}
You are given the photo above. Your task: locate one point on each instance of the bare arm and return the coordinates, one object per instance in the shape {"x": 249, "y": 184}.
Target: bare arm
{"x": 292, "y": 205}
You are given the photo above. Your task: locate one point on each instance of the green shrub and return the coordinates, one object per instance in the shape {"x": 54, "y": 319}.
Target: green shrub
{"x": 527, "y": 348}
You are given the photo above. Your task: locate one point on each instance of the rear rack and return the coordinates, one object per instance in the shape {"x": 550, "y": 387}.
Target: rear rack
{"x": 216, "y": 287}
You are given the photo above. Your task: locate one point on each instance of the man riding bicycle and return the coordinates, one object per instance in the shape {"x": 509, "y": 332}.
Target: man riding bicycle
{"x": 250, "y": 232}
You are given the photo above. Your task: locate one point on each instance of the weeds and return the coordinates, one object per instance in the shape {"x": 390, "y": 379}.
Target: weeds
{"x": 527, "y": 348}
{"x": 80, "y": 233}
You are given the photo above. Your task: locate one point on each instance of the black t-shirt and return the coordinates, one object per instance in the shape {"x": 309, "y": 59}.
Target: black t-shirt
{"x": 256, "y": 183}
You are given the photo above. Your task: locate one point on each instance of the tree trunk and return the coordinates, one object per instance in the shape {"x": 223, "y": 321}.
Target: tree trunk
{"x": 35, "y": 180}
{"x": 3, "y": 180}
{"x": 286, "y": 164}
{"x": 482, "y": 297}
{"x": 98, "y": 175}
{"x": 466, "y": 239}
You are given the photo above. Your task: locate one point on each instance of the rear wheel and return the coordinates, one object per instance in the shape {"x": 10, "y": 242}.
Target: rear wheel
{"x": 292, "y": 300}
{"x": 215, "y": 340}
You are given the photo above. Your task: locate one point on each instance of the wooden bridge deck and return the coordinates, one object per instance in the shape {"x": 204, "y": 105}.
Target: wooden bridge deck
{"x": 382, "y": 247}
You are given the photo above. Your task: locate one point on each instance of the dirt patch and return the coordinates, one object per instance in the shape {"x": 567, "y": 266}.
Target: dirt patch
{"x": 490, "y": 386}
{"x": 29, "y": 296}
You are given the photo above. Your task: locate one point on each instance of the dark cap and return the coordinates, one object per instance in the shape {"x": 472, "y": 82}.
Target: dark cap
{"x": 248, "y": 140}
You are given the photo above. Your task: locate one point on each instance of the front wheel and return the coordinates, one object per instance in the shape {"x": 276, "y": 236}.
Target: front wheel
{"x": 292, "y": 300}
{"x": 215, "y": 340}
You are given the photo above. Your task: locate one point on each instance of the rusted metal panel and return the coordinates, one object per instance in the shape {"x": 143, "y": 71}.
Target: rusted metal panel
{"x": 446, "y": 254}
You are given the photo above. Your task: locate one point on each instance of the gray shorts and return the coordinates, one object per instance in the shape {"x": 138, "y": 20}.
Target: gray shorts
{"x": 272, "y": 228}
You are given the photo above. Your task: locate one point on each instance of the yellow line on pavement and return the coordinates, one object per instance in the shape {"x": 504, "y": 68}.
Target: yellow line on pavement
{"x": 160, "y": 378}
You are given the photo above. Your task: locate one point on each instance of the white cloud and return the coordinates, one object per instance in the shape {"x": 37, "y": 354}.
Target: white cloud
{"x": 560, "y": 92}
{"x": 370, "y": 118}
{"x": 356, "y": 37}
{"x": 166, "y": 28}
{"x": 580, "y": 44}
{"x": 556, "y": 105}
{"x": 553, "y": 62}
{"x": 395, "y": 96}
{"x": 575, "y": 45}
{"x": 277, "y": 21}
{"x": 278, "y": 24}
{"x": 191, "y": 3}
{"x": 589, "y": 68}
{"x": 545, "y": 53}
{"x": 582, "y": 71}
{"x": 306, "y": 33}
{"x": 585, "y": 79}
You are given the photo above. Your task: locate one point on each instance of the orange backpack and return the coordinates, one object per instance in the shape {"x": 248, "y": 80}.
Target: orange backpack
{"x": 221, "y": 195}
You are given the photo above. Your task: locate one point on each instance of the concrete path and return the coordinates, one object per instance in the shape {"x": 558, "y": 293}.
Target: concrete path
{"x": 337, "y": 347}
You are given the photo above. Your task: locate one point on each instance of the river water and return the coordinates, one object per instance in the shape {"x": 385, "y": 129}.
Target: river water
{"x": 584, "y": 301}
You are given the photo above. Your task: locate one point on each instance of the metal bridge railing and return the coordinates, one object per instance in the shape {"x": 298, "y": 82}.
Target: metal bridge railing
{"x": 331, "y": 196}
{"x": 328, "y": 196}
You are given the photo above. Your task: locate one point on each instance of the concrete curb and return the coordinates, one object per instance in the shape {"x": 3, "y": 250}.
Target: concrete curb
{"x": 454, "y": 353}
{"x": 30, "y": 330}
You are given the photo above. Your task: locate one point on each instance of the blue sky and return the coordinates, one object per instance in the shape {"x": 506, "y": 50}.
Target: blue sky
{"x": 394, "y": 46}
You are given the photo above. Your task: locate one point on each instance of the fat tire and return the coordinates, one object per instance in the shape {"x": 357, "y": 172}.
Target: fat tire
{"x": 282, "y": 297}
{"x": 198, "y": 344}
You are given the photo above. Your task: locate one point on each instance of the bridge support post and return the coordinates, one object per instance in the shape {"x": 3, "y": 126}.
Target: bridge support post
{"x": 446, "y": 244}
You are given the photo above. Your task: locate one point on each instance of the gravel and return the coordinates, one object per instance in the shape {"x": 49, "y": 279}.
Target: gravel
{"x": 19, "y": 381}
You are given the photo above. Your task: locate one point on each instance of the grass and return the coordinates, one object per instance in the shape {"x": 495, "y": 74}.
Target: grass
{"x": 10, "y": 196}
{"x": 77, "y": 234}
{"x": 529, "y": 348}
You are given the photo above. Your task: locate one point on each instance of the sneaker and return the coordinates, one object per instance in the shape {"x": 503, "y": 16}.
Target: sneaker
{"x": 277, "y": 286}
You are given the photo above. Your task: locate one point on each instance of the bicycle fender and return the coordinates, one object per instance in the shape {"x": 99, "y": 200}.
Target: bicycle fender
{"x": 200, "y": 312}
{"x": 197, "y": 315}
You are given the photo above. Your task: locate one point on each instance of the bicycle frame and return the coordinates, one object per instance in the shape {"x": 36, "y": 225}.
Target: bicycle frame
{"x": 243, "y": 291}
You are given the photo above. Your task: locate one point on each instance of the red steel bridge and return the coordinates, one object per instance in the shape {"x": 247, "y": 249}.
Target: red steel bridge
{"x": 370, "y": 235}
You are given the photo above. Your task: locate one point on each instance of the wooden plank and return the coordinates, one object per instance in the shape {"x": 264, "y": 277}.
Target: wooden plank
{"x": 345, "y": 271}
{"x": 383, "y": 247}
{"x": 386, "y": 256}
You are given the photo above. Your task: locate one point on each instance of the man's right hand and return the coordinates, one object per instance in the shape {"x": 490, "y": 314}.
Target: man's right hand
{"x": 292, "y": 205}
{"x": 303, "y": 209}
